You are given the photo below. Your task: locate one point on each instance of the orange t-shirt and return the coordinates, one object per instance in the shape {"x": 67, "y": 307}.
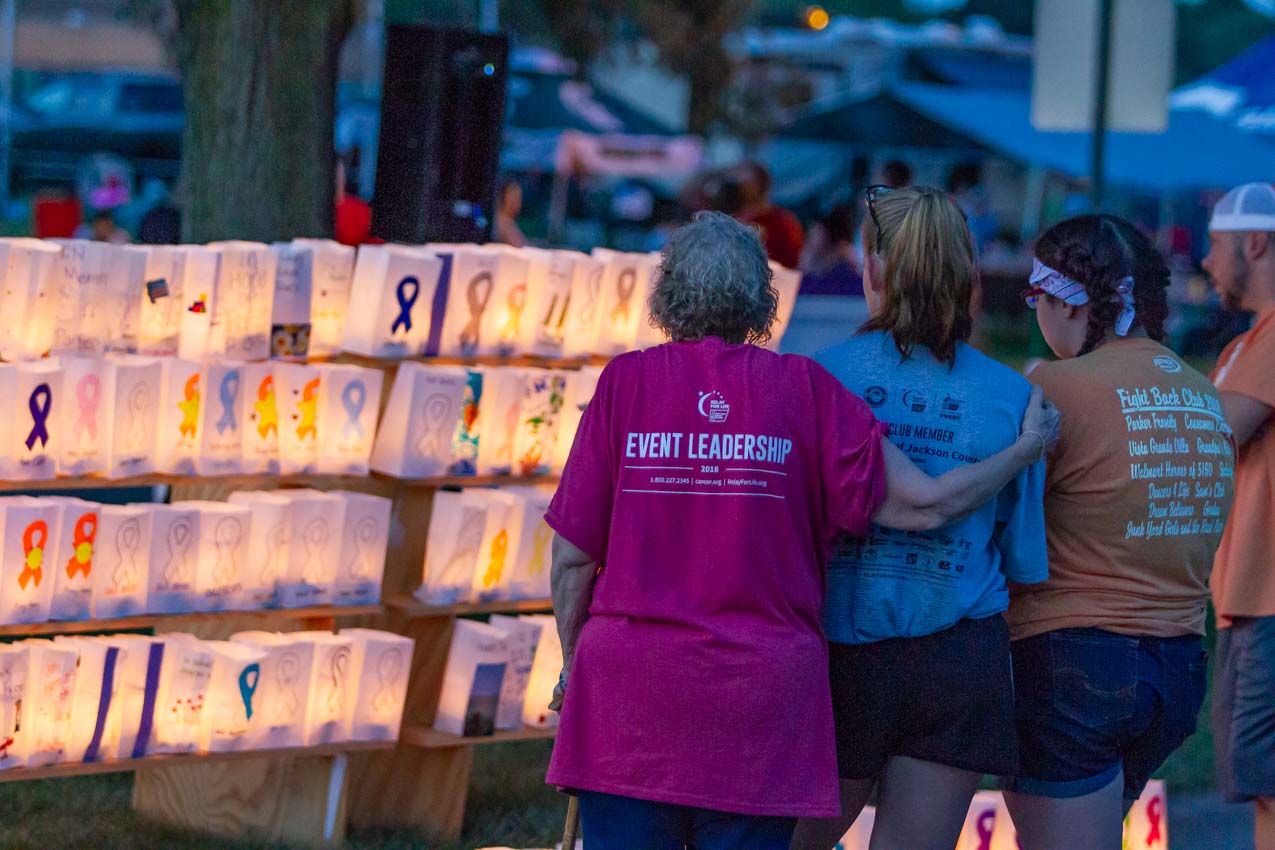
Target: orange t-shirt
{"x": 1136, "y": 495}
{"x": 1244, "y": 570}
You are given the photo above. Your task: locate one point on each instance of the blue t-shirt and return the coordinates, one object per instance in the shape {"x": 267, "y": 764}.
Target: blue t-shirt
{"x": 910, "y": 583}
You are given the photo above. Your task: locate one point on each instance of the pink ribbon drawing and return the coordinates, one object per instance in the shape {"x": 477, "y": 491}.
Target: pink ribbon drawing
{"x": 88, "y": 392}
{"x": 986, "y": 826}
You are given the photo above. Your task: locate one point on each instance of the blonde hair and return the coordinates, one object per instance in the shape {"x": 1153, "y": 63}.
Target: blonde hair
{"x": 929, "y": 273}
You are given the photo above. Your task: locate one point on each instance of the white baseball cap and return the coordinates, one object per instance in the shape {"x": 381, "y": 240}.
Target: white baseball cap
{"x": 1247, "y": 207}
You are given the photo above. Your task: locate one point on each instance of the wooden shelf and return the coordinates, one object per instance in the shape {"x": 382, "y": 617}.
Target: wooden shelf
{"x": 69, "y": 769}
{"x": 431, "y": 739}
{"x": 163, "y": 622}
{"x": 264, "y": 480}
{"x": 413, "y": 607}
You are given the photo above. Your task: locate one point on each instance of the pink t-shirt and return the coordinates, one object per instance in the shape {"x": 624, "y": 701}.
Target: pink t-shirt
{"x": 708, "y": 480}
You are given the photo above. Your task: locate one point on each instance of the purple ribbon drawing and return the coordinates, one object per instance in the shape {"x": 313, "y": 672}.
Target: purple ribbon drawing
{"x": 40, "y": 403}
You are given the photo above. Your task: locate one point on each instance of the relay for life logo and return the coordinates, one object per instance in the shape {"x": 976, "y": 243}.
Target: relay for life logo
{"x": 713, "y": 406}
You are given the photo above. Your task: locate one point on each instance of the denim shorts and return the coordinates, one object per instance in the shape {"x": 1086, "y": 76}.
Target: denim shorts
{"x": 1244, "y": 708}
{"x": 1091, "y": 703}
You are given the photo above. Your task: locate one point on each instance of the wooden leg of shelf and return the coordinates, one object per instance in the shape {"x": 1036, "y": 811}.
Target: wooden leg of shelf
{"x": 302, "y": 799}
{"x": 409, "y": 788}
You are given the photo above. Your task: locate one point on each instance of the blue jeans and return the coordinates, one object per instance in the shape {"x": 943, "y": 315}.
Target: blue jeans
{"x": 609, "y": 822}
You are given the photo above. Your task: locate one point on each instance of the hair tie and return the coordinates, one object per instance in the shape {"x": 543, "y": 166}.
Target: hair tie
{"x": 1124, "y": 289}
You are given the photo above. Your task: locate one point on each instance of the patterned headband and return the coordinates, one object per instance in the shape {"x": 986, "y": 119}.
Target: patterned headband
{"x": 1072, "y": 292}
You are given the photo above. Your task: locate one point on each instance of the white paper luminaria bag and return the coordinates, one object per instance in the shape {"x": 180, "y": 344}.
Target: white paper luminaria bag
{"x": 13, "y": 685}
{"x": 550, "y": 276}
{"x": 199, "y": 297}
{"x": 415, "y": 436}
{"x": 364, "y": 542}
{"x": 546, "y": 666}
{"x": 29, "y": 529}
{"x": 269, "y": 546}
{"x": 224, "y": 531}
{"x": 283, "y": 691}
{"x": 584, "y": 315}
{"x": 36, "y": 441}
{"x": 382, "y": 664}
{"x": 471, "y": 322}
{"x": 260, "y": 418}
{"x": 174, "y": 559}
{"x": 314, "y": 543}
{"x": 522, "y": 637}
{"x": 501, "y": 540}
{"x": 86, "y": 418}
{"x": 332, "y": 269}
{"x": 233, "y": 710}
{"x": 349, "y": 406}
{"x": 581, "y": 386}
{"x": 536, "y": 440}
{"x": 456, "y": 526}
{"x": 244, "y": 300}
{"x": 160, "y": 318}
{"x": 26, "y": 322}
{"x": 74, "y": 558}
{"x": 131, "y": 394}
{"x": 182, "y": 694}
{"x": 131, "y": 719}
{"x": 182, "y": 395}
{"x": 293, "y": 291}
{"x": 46, "y": 703}
{"x": 89, "y": 737}
{"x": 499, "y": 415}
{"x": 393, "y": 293}
{"x": 297, "y": 401}
{"x": 530, "y": 561}
{"x": 475, "y": 674}
{"x": 121, "y": 557}
{"x": 333, "y": 681}
{"x": 81, "y": 281}
{"x": 221, "y": 419}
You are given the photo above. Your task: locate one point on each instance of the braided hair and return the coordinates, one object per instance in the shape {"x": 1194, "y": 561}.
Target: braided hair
{"x": 1099, "y": 251}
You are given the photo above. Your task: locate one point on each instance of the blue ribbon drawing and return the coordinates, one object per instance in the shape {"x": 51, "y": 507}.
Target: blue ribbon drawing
{"x": 229, "y": 395}
{"x": 248, "y": 686}
{"x": 353, "y": 397}
{"x": 39, "y": 415}
{"x": 406, "y": 303}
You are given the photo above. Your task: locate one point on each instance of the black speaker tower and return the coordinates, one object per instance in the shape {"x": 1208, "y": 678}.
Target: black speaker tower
{"x": 442, "y": 113}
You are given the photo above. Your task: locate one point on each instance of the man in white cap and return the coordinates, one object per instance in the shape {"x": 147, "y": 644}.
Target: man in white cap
{"x": 1241, "y": 262}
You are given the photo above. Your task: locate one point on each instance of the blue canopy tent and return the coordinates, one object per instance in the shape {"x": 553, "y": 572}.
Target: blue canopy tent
{"x": 1196, "y": 151}
{"x": 1241, "y": 92}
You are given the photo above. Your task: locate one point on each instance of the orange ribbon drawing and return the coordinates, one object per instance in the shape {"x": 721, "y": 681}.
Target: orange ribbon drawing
{"x": 267, "y": 412}
{"x": 82, "y": 559}
{"x": 499, "y": 546}
{"x": 34, "y": 550}
{"x": 189, "y": 407}
{"x": 307, "y": 406}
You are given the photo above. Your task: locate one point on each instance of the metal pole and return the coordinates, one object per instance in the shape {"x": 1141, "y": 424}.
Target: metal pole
{"x": 488, "y": 15}
{"x": 1098, "y": 155}
{"x": 8, "y": 21}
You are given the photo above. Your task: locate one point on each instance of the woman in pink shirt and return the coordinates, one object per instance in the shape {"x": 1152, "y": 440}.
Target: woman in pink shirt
{"x": 693, "y": 522}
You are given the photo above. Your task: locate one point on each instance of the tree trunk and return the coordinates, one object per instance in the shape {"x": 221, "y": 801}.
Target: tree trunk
{"x": 260, "y": 90}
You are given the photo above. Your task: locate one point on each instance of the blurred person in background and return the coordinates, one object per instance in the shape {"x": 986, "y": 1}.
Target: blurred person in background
{"x": 162, "y": 223}
{"x": 352, "y": 215}
{"x": 102, "y": 228}
{"x": 827, "y": 260}
{"x": 1108, "y": 657}
{"x": 919, "y": 651}
{"x": 1241, "y": 262}
{"x": 781, "y": 232}
{"x": 508, "y": 208}
{"x": 896, "y": 174}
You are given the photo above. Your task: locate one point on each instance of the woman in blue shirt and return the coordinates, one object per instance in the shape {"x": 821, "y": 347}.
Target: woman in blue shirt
{"x": 918, "y": 646}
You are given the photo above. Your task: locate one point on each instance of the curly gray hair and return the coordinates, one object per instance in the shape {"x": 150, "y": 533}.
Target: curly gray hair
{"x": 714, "y": 280}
